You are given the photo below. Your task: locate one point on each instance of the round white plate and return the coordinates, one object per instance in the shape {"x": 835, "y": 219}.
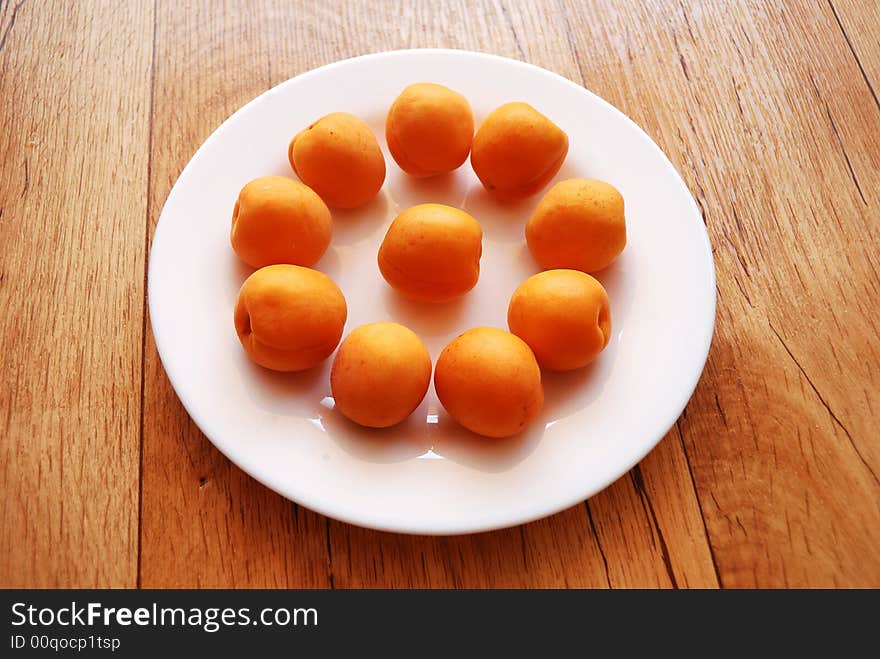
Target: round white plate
{"x": 428, "y": 475}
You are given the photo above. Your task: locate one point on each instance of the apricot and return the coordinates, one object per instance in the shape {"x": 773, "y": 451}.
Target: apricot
{"x": 429, "y": 129}
{"x": 488, "y": 381}
{"x": 339, "y": 158}
{"x": 431, "y": 252}
{"x": 380, "y": 374}
{"x": 578, "y": 224}
{"x": 279, "y": 220}
{"x": 517, "y": 150}
{"x": 563, "y": 315}
{"x": 289, "y": 318}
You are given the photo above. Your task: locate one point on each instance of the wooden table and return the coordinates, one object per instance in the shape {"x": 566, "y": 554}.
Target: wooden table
{"x": 770, "y": 477}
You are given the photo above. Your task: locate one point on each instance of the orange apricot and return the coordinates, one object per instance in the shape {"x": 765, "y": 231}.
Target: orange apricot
{"x": 431, "y": 252}
{"x": 339, "y": 158}
{"x": 429, "y": 129}
{"x": 380, "y": 374}
{"x": 279, "y": 220}
{"x": 488, "y": 381}
{"x": 563, "y": 315}
{"x": 289, "y": 318}
{"x": 517, "y": 150}
{"x": 578, "y": 224}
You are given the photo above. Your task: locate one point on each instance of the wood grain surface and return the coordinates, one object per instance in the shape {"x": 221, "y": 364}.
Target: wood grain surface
{"x": 770, "y": 478}
{"x": 74, "y": 89}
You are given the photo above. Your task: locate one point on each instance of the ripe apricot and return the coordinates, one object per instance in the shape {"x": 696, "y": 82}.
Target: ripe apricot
{"x": 380, "y": 374}
{"x": 517, "y": 150}
{"x": 488, "y": 381}
{"x": 279, "y": 220}
{"x": 289, "y": 318}
{"x": 429, "y": 129}
{"x": 339, "y": 158}
{"x": 431, "y": 252}
{"x": 563, "y": 315}
{"x": 578, "y": 224}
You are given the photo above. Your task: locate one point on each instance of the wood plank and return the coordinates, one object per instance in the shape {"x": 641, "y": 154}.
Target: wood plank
{"x": 776, "y": 132}
{"x": 204, "y": 522}
{"x": 74, "y": 83}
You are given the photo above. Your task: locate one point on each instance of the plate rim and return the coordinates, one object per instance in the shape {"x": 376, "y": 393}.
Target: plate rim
{"x": 564, "y": 503}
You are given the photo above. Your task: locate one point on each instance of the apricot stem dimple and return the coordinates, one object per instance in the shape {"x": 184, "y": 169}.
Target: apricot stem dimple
{"x": 235, "y": 211}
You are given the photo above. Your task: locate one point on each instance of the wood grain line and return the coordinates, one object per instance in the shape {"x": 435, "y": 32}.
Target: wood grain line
{"x": 598, "y": 544}
{"x": 149, "y": 183}
{"x": 330, "y": 576}
{"x": 519, "y": 48}
{"x": 849, "y": 166}
{"x": 827, "y": 407}
{"x": 697, "y": 492}
{"x": 572, "y": 47}
{"x": 11, "y": 24}
{"x": 687, "y": 21}
{"x": 681, "y": 62}
{"x": 635, "y": 475}
{"x": 854, "y": 54}
{"x": 840, "y": 144}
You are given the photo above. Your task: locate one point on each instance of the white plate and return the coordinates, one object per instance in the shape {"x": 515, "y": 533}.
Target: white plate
{"x": 428, "y": 475}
